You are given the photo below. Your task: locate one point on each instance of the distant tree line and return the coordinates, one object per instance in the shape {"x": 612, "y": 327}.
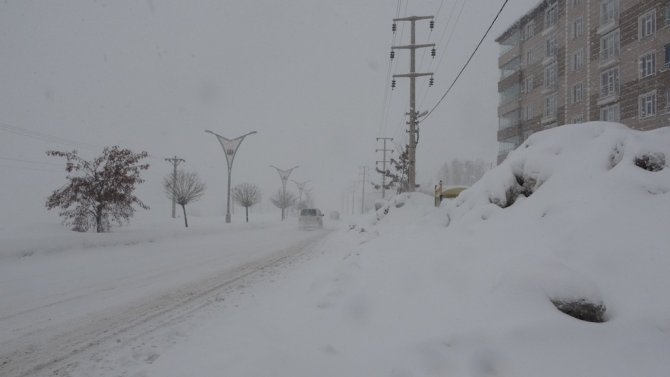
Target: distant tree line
{"x": 462, "y": 172}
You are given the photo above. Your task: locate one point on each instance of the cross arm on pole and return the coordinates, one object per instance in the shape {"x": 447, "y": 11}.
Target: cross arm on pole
{"x": 412, "y": 74}
{"x": 414, "y": 18}
{"x": 412, "y": 47}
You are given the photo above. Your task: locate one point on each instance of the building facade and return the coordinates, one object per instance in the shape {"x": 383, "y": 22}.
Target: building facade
{"x": 572, "y": 61}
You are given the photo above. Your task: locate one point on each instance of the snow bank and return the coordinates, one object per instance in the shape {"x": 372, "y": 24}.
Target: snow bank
{"x": 467, "y": 289}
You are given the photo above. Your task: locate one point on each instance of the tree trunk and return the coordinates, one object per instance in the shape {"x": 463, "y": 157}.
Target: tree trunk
{"x": 98, "y": 220}
{"x": 183, "y": 208}
{"x": 247, "y": 210}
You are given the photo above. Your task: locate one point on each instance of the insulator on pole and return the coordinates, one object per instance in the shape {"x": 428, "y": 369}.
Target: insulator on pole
{"x": 392, "y": 55}
{"x": 394, "y": 27}
{"x": 432, "y": 24}
{"x": 431, "y": 81}
{"x": 432, "y": 52}
{"x": 393, "y": 84}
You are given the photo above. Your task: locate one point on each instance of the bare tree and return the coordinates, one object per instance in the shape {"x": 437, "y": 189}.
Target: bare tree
{"x": 283, "y": 200}
{"x": 99, "y": 191}
{"x": 185, "y": 189}
{"x": 246, "y": 195}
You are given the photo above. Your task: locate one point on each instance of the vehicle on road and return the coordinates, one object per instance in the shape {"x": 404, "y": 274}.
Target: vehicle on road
{"x": 310, "y": 218}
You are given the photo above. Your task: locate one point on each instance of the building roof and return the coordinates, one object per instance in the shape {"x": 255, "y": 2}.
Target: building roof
{"x": 523, "y": 19}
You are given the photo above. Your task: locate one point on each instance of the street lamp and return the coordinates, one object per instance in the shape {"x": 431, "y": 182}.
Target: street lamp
{"x": 283, "y": 175}
{"x": 301, "y": 188}
{"x": 229, "y": 149}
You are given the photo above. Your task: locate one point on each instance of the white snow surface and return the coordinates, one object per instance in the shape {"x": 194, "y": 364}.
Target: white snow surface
{"x": 460, "y": 290}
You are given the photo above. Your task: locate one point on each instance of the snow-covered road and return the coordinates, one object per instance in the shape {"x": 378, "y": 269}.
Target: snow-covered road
{"x": 58, "y": 307}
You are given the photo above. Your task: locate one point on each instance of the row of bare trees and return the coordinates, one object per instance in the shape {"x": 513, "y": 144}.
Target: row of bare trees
{"x": 100, "y": 192}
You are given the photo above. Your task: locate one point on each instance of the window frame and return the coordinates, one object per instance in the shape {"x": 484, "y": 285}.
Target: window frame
{"x": 551, "y": 76}
{"x": 647, "y": 99}
{"x": 647, "y": 68}
{"x": 578, "y": 88}
{"x": 551, "y": 15}
{"x": 609, "y": 12}
{"x": 647, "y": 24}
{"x": 610, "y": 46}
{"x": 608, "y": 109}
{"x": 612, "y": 82}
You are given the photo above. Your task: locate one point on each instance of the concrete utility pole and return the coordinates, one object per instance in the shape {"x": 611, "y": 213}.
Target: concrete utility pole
{"x": 283, "y": 175}
{"x": 383, "y": 162}
{"x": 353, "y": 198}
{"x": 412, "y": 75}
{"x": 174, "y": 161}
{"x": 229, "y": 149}
{"x": 364, "y": 173}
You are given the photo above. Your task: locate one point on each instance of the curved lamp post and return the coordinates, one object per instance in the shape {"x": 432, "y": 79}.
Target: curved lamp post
{"x": 229, "y": 149}
{"x": 283, "y": 175}
{"x": 301, "y": 188}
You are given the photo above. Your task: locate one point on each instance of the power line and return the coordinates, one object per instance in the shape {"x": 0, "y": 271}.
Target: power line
{"x": 21, "y": 131}
{"x": 468, "y": 61}
{"x": 29, "y": 168}
{"x": 446, "y": 45}
{"x": 41, "y": 136}
{"x": 29, "y": 161}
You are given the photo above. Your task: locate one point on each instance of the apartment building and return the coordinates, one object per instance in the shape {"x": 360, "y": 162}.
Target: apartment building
{"x": 572, "y": 61}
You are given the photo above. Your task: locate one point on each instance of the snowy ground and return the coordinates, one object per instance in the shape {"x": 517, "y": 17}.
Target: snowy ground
{"x": 64, "y": 292}
{"x": 413, "y": 290}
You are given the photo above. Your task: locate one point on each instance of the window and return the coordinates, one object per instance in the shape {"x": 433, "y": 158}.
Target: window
{"x": 578, "y": 60}
{"x": 510, "y": 119}
{"x": 550, "y": 107}
{"x": 528, "y": 112}
{"x": 551, "y": 14}
{"x": 528, "y": 85}
{"x": 508, "y": 145}
{"x": 609, "y": 11}
{"x": 610, "y": 113}
{"x": 609, "y": 46}
{"x": 667, "y": 14}
{"x": 647, "y": 24}
{"x": 530, "y": 30}
{"x": 551, "y": 46}
{"x": 667, "y": 56}
{"x": 667, "y": 99}
{"x": 575, "y": 3}
{"x": 648, "y": 105}
{"x": 647, "y": 64}
{"x": 609, "y": 82}
{"x": 510, "y": 94}
{"x": 577, "y": 93}
{"x": 578, "y": 119}
{"x": 550, "y": 76}
{"x": 530, "y": 57}
{"x": 510, "y": 68}
{"x": 577, "y": 28}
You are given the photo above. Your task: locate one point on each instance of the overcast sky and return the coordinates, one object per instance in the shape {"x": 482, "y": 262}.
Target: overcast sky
{"x": 311, "y": 76}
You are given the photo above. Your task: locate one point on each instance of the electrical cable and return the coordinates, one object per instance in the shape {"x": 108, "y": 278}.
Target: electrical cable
{"x": 467, "y": 62}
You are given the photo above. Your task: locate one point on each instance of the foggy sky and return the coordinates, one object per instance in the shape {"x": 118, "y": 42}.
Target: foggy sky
{"x": 309, "y": 75}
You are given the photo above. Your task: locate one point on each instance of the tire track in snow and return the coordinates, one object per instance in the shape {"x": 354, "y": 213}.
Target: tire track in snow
{"x": 101, "y": 334}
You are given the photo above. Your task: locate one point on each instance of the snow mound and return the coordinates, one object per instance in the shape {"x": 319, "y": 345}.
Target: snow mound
{"x": 572, "y": 161}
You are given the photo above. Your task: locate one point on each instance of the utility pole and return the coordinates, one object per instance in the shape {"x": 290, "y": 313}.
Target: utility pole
{"x": 353, "y": 198}
{"x": 174, "y": 161}
{"x": 412, "y": 75}
{"x": 383, "y": 161}
{"x": 364, "y": 173}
